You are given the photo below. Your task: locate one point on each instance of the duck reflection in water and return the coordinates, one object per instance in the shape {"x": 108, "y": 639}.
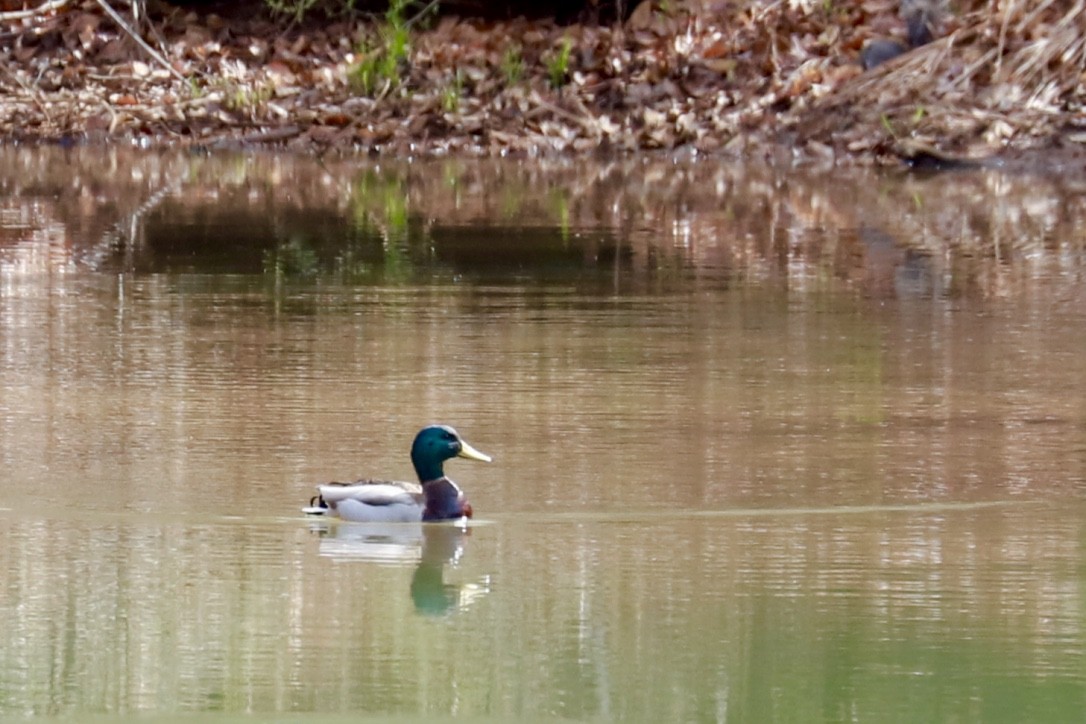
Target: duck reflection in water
{"x": 431, "y": 546}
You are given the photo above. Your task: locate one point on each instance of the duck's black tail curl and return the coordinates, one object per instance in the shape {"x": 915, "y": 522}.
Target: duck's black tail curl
{"x": 317, "y": 506}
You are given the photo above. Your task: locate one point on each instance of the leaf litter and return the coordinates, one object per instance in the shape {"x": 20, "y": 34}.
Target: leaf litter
{"x": 766, "y": 77}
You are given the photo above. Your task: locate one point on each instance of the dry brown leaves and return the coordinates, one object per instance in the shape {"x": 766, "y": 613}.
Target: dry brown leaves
{"x": 1008, "y": 76}
{"x": 702, "y": 76}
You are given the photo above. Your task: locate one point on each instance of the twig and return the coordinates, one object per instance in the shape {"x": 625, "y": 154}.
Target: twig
{"x": 1002, "y": 41}
{"x": 967, "y": 75}
{"x": 139, "y": 20}
{"x": 537, "y": 100}
{"x": 418, "y": 16}
{"x": 272, "y": 135}
{"x": 142, "y": 43}
{"x": 45, "y": 7}
{"x": 34, "y": 93}
{"x": 1027, "y": 20}
{"x": 113, "y": 118}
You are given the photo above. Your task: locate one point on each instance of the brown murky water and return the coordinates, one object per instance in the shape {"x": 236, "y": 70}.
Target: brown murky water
{"x": 768, "y": 446}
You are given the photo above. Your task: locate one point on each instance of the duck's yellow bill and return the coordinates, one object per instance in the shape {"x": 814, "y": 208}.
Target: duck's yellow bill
{"x": 467, "y": 451}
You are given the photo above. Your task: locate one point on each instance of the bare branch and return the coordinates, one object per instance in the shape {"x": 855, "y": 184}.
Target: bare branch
{"x": 142, "y": 43}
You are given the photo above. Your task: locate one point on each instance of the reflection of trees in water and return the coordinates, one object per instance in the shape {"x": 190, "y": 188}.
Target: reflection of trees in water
{"x": 634, "y": 223}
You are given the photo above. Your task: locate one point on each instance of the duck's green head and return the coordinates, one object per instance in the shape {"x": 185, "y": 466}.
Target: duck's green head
{"x": 436, "y": 444}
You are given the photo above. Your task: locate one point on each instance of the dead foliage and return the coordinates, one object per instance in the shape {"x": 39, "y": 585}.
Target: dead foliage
{"x": 1008, "y": 76}
{"x": 763, "y": 76}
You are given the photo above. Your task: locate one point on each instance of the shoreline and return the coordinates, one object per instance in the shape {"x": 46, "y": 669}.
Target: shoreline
{"x": 760, "y": 81}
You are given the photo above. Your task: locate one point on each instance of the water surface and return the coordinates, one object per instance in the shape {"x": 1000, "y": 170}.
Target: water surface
{"x": 767, "y": 447}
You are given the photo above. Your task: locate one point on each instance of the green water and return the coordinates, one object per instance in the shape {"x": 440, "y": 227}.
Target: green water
{"x": 753, "y": 461}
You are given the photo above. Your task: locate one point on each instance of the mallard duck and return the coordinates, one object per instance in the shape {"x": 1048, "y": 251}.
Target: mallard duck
{"x": 435, "y": 497}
